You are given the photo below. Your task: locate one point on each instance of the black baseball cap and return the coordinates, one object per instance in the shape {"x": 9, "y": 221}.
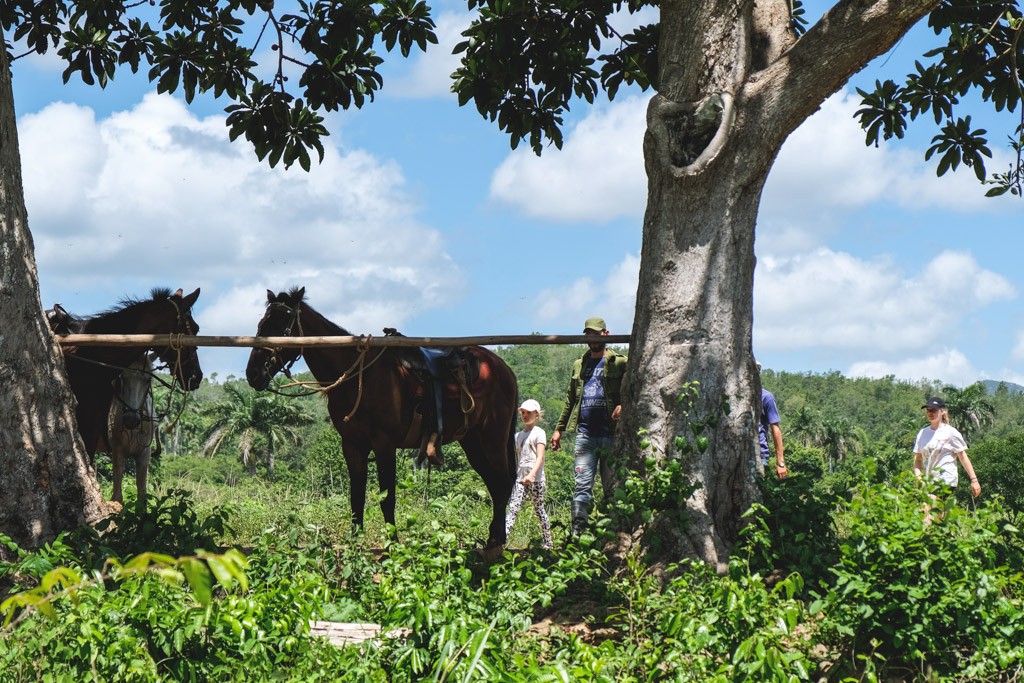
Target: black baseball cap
{"x": 935, "y": 402}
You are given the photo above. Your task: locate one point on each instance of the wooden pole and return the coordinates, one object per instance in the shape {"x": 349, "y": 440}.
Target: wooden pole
{"x": 300, "y": 342}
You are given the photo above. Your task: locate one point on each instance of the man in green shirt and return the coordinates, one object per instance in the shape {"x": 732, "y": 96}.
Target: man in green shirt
{"x": 593, "y": 404}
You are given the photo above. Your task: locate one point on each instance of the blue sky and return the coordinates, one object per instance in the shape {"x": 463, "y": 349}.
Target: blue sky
{"x": 422, "y": 218}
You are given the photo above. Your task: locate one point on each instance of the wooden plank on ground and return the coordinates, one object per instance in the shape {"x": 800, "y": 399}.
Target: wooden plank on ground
{"x": 341, "y": 634}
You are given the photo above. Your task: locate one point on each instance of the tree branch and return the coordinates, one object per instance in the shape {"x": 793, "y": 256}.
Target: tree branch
{"x": 835, "y": 48}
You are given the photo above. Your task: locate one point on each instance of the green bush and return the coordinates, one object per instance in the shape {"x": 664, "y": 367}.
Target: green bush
{"x": 798, "y": 515}
{"x": 920, "y": 595}
{"x": 997, "y": 462}
{"x": 893, "y": 598}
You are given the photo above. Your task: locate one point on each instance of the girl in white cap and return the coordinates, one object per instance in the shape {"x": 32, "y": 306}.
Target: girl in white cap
{"x": 530, "y": 476}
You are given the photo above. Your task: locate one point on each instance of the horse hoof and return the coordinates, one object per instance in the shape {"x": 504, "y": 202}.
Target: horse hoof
{"x": 491, "y": 552}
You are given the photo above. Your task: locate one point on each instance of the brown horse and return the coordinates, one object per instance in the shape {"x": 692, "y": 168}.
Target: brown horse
{"x": 372, "y": 403}
{"x": 93, "y": 371}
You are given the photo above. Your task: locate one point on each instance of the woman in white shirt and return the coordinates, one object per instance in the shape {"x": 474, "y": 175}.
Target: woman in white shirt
{"x": 939, "y": 446}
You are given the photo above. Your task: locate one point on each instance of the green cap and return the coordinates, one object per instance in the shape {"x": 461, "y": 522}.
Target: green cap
{"x": 595, "y": 324}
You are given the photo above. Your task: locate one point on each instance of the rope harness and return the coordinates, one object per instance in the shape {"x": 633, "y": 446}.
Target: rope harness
{"x": 182, "y": 328}
{"x": 319, "y": 387}
{"x": 467, "y": 403}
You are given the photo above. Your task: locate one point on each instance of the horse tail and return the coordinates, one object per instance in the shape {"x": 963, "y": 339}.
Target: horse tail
{"x": 513, "y": 465}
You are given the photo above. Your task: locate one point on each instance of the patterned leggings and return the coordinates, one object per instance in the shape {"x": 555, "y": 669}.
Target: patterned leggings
{"x": 537, "y": 490}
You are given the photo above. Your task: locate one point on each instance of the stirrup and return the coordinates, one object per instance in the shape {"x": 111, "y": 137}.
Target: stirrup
{"x": 433, "y": 452}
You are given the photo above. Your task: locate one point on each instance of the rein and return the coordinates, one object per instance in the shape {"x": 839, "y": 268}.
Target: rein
{"x": 169, "y": 385}
{"x": 319, "y": 387}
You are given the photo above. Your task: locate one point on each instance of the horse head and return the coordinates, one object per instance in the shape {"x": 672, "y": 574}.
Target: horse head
{"x": 61, "y": 322}
{"x": 183, "y": 361}
{"x": 280, "y": 320}
{"x": 131, "y": 391}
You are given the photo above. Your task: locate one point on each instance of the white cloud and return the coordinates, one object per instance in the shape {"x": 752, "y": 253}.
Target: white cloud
{"x": 614, "y": 299}
{"x": 430, "y": 74}
{"x": 49, "y": 62}
{"x": 824, "y": 169}
{"x": 827, "y": 299}
{"x": 154, "y": 196}
{"x": 597, "y": 176}
{"x": 950, "y": 366}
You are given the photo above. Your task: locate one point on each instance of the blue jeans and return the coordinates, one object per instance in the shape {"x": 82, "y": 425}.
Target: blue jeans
{"x": 591, "y": 454}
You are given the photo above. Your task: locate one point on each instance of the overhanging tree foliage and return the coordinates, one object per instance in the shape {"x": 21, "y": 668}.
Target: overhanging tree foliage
{"x": 733, "y": 79}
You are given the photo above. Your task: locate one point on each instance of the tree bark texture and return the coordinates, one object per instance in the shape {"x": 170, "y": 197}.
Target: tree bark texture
{"x": 45, "y": 484}
{"x": 735, "y": 82}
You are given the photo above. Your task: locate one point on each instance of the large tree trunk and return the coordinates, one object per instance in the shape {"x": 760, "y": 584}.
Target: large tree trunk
{"x": 734, "y": 83}
{"x": 45, "y": 484}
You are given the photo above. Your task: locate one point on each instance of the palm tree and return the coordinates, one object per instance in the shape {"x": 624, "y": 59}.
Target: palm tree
{"x": 805, "y": 425}
{"x": 839, "y": 436}
{"x": 969, "y": 408}
{"x": 258, "y": 420}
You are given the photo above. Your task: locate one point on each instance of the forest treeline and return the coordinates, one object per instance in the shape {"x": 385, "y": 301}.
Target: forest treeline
{"x": 830, "y": 423}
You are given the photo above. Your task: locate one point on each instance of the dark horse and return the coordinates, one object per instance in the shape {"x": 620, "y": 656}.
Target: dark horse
{"x": 372, "y": 401}
{"x": 93, "y": 371}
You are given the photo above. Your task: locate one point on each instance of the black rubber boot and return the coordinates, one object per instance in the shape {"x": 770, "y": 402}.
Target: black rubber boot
{"x": 579, "y": 518}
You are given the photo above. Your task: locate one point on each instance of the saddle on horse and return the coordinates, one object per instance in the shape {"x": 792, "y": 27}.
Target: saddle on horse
{"x": 436, "y": 373}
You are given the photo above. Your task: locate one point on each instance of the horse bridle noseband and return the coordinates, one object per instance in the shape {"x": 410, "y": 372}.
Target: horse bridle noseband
{"x": 127, "y": 407}
{"x": 293, "y": 323}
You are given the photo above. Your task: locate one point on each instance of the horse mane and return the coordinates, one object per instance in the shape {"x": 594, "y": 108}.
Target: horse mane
{"x": 155, "y": 294}
{"x": 95, "y": 323}
{"x": 298, "y": 295}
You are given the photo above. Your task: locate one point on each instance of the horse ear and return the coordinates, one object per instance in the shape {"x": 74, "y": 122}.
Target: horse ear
{"x": 59, "y": 320}
{"x": 302, "y": 293}
{"x": 191, "y": 298}
{"x": 270, "y": 296}
{"x": 178, "y": 293}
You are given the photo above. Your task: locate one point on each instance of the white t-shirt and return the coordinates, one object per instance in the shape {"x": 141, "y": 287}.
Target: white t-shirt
{"x": 939, "y": 448}
{"x": 526, "y": 451}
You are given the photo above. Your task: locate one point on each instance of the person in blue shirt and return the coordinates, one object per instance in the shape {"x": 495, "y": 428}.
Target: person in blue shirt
{"x": 769, "y": 424}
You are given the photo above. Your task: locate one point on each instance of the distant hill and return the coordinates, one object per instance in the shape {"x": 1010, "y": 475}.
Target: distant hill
{"x": 991, "y": 385}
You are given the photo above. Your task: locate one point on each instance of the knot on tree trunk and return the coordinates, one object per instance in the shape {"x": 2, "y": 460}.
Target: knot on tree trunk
{"x": 689, "y": 134}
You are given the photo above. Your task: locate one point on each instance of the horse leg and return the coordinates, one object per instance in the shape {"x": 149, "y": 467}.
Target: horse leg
{"x": 141, "y": 475}
{"x": 117, "y": 458}
{"x": 386, "y": 480}
{"x": 497, "y": 476}
{"x": 356, "y": 459}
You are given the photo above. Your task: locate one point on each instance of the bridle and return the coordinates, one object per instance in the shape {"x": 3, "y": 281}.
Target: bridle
{"x": 182, "y": 329}
{"x": 294, "y": 325}
{"x": 127, "y": 408}
{"x": 294, "y": 328}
